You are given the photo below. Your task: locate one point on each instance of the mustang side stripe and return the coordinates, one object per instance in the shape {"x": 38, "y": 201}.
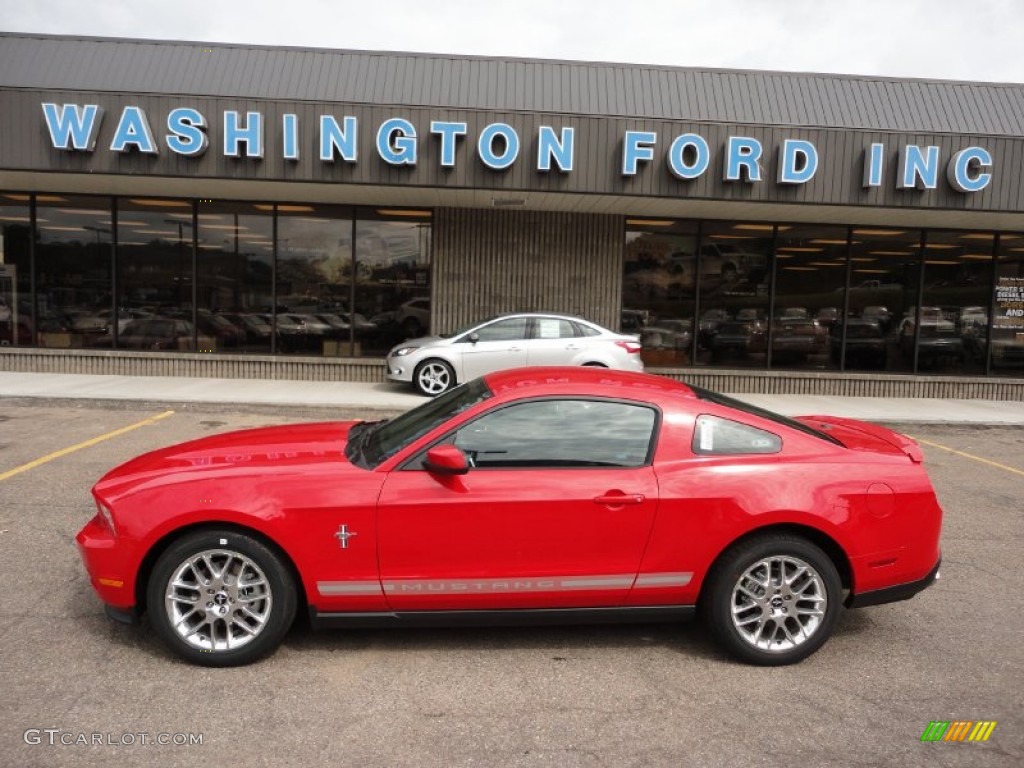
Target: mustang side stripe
{"x": 497, "y": 586}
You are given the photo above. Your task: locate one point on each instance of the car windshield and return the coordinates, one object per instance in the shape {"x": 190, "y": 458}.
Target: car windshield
{"x": 739, "y": 405}
{"x": 467, "y": 328}
{"x": 371, "y": 443}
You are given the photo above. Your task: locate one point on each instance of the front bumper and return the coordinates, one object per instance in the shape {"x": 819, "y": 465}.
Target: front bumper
{"x": 109, "y": 560}
{"x": 894, "y": 594}
{"x": 399, "y": 369}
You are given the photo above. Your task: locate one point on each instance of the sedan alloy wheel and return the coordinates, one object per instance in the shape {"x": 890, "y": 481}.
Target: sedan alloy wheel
{"x": 434, "y": 377}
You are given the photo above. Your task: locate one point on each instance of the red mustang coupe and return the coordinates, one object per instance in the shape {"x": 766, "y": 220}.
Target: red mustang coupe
{"x": 529, "y": 496}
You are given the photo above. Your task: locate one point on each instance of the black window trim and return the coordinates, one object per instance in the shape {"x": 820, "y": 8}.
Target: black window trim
{"x": 762, "y": 413}
{"x": 415, "y": 462}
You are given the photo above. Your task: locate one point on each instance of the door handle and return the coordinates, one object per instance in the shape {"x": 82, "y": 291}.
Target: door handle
{"x": 515, "y": 349}
{"x": 619, "y": 499}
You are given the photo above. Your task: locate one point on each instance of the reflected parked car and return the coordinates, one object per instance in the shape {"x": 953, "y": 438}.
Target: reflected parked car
{"x": 434, "y": 364}
{"x": 219, "y": 328}
{"x": 157, "y": 333}
{"x": 866, "y": 345}
{"x": 878, "y": 314}
{"x": 797, "y": 339}
{"x": 256, "y": 327}
{"x": 735, "y": 339}
{"x": 939, "y": 340}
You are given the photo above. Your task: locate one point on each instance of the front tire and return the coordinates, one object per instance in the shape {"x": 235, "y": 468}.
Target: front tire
{"x": 433, "y": 377}
{"x": 773, "y": 600}
{"x": 219, "y": 598}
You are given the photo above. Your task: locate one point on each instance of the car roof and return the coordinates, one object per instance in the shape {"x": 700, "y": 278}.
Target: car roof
{"x": 594, "y": 380}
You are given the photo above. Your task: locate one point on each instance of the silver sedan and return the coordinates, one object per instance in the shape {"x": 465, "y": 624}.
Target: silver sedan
{"x": 434, "y": 364}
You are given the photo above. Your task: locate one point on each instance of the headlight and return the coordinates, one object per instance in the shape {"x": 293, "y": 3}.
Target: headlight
{"x": 403, "y": 351}
{"x": 107, "y": 517}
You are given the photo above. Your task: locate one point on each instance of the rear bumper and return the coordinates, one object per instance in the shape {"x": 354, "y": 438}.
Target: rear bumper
{"x": 894, "y": 594}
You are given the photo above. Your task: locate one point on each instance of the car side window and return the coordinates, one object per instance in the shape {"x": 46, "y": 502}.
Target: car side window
{"x": 553, "y": 328}
{"x": 586, "y": 330}
{"x": 560, "y": 433}
{"x": 715, "y": 436}
{"x": 510, "y": 329}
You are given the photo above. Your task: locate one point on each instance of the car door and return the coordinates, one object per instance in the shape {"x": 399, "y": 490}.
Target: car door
{"x": 554, "y": 342}
{"x": 495, "y": 346}
{"x": 554, "y": 513}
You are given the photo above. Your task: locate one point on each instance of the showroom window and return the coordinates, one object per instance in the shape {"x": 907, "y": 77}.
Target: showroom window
{"x": 314, "y": 281}
{"x": 234, "y": 280}
{"x": 735, "y": 275}
{"x": 74, "y": 270}
{"x": 952, "y": 323}
{"x": 810, "y": 298}
{"x": 1007, "y": 335}
{"x": 392, "y": 270}
{"x": 885, "y": 273}
{"x": 154, "y": 275}
{"x": 659, "y": 287}
{"x": 16, "y": 327}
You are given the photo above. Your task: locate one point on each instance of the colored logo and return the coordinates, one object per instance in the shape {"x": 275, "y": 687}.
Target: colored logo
{"x": 958, "y": 730}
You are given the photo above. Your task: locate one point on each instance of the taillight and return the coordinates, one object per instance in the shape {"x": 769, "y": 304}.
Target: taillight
{"x": 633, "y": 347}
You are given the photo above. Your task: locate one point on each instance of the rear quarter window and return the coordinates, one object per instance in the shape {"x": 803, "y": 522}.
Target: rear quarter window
{"x": 715, "y": 436}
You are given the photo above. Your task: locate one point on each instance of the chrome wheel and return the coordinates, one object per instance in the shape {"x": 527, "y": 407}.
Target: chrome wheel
{"x": 778, "y": 603}
{"x": 218, "y": 600}
{"x": 434, "y": 377}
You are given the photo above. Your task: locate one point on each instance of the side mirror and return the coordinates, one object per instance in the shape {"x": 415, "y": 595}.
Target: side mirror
{"x": 473, "y": 337}
{"x": 446, "y": 459}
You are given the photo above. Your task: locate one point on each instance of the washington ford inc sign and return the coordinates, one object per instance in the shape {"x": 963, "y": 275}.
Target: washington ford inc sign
{"x": 75, "y": 127}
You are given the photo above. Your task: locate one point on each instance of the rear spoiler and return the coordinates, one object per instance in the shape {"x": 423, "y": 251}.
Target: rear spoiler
{"x": 907, "y": 445}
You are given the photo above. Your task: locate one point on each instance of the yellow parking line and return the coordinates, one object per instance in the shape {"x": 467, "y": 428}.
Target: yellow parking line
{"x": 65, "y": 451}
{"x": 969, "y": 456}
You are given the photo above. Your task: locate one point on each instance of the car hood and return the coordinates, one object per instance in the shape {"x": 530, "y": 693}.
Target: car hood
{"x": 262, "y": 452}
{"x": 422, "y": 341}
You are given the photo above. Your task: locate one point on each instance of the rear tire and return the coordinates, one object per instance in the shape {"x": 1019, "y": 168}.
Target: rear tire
{"x": 773, "y": 600}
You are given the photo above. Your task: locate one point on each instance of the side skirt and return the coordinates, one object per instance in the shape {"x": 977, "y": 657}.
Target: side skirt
{"x": 503, "y": 618}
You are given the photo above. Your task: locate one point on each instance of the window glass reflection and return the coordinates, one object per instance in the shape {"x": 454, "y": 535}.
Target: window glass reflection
{"x": 953, "y": 317}
{"x": 735, "y": 270}
{"x": 392, "y": 287}
{"x": 235, "y": 259}
{"x": 659, "y": 286}
{"x": 16, "y": 327}
{"x": 74, "y": 260}
{"x": 884, "y": 283}
{"x": 314, "y": 281}
{"x": 810, "y": 294}
{"x": 1007, "y": 353}
{"x": 154, "y": 262}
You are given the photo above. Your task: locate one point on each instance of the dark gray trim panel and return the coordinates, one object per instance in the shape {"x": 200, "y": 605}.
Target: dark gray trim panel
{"x": 503, "y": 618}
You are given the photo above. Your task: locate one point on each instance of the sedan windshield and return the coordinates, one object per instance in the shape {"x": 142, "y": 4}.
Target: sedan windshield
{"x": 373, "y": 443}
{"x": 466, "y": 328}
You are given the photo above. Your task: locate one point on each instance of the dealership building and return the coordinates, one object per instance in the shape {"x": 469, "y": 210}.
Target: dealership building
{"x": 180, "y": 208}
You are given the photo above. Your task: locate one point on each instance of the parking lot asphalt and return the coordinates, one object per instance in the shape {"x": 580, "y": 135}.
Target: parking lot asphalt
{"x": 646, "y": 695}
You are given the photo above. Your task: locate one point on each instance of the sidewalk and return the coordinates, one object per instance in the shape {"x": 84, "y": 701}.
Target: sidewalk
{"x": 388, "y": 397}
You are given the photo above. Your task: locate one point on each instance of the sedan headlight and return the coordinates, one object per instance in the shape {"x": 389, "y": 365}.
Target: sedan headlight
{"x": 403, "y": 351}
{"x": 108, "y": 518}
